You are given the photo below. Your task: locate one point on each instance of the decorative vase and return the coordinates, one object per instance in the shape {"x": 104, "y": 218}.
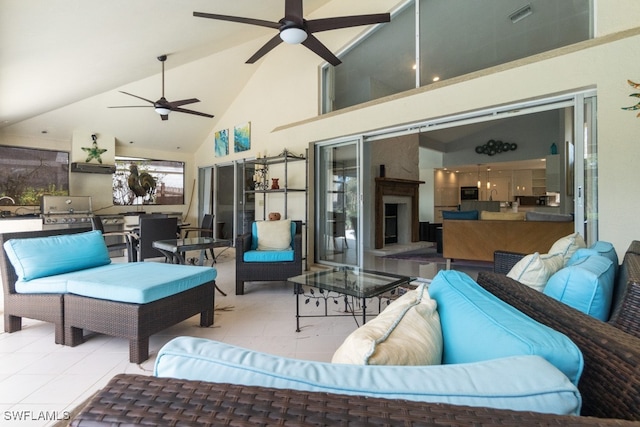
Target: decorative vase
{"x": 274, "y": 183}
{"x": 274, "y": 216}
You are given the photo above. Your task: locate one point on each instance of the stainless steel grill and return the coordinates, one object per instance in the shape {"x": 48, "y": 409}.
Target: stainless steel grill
{"x": 65, "y": 212}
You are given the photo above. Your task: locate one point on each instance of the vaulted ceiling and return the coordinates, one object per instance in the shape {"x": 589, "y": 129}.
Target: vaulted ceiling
{"x": 63, "y": 62}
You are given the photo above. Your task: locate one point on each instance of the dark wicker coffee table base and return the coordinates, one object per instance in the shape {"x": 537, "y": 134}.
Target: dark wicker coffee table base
{"x": 151, "y": 401}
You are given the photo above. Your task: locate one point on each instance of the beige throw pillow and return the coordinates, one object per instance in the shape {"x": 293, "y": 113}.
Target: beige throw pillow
{"x": 535, "y": 270}
{"x": 274, "y": 235}
{"x": 407, "y": 332}
{"x": 568, "y": 245}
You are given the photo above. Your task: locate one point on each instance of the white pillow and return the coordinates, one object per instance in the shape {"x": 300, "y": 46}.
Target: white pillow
{"x": 535, "y": 270}
{"x": 407, "y": 332}
{"x": 274, "y": 235}
{"x": 568, "y": 245}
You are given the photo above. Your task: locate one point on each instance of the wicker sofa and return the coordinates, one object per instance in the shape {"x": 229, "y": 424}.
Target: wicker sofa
{"x": 609, "y": 385}
{"x": 610, "y": 382}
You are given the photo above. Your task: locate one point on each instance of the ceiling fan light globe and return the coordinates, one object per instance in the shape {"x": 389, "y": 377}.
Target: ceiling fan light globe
{"x": 162, "y": 111}
{"x": 293, "y": 35}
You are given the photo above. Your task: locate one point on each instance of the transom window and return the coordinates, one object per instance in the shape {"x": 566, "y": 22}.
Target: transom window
{"x": 456, "y": 37}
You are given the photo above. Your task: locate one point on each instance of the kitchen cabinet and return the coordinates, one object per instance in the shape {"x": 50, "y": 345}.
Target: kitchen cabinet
{"x": 522, "y": 182}
{"x": 538, "y": 182}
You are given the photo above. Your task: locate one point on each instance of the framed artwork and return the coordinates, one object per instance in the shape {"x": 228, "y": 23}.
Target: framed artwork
{"x": 242, "y": 137}
{"x": 222, "y": 142}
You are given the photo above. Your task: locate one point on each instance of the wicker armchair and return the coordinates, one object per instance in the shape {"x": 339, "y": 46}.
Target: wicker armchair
{"x": 266, "y": 271}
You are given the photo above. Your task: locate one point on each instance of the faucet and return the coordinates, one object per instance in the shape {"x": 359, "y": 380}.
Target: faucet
{"x": 7, "y": 197}
{"x": 491, "y": 194}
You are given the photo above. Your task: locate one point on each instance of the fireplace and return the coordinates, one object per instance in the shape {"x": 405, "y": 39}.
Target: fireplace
{"x": 390, "y": 223}
{"x": 404, "y": 194}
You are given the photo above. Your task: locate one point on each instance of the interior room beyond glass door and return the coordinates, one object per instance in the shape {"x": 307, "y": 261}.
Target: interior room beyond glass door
{"x": 338, "y": 207}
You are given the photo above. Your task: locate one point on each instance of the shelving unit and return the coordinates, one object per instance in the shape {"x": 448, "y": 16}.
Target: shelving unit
{"x": 263, "y": 186}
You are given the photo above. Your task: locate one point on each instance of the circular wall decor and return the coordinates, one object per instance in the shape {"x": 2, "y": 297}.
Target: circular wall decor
{"x": 493, "y": 147}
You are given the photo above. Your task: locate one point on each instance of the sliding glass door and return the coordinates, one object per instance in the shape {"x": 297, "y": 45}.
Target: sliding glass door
{"x": 338, "y": 203}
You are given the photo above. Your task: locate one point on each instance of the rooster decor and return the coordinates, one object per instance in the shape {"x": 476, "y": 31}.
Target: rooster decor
{"x": 141, "y": 183}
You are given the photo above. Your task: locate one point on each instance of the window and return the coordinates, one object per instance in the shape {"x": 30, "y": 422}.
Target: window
{"x": 28, "y": 173}
{"x": 148, "y": 182}
{"x": 456, "y": 37}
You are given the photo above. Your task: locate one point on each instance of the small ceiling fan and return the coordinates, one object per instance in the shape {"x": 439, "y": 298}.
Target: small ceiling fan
{"x": 294, "y": 29}
{"x": 162, "y": 106}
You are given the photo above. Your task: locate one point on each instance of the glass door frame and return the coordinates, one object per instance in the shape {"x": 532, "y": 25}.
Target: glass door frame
{"x": 584, "y": 104}
{"x": 320, "y": 195}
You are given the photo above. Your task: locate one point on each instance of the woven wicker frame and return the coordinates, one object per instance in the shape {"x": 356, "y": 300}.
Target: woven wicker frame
{"x": 610, "y": 382}
{"x": 44, "y": 307}
{"x": 136, "y": 322}
{"x": 142, "y": 400}
{"x": 266, "y": 271}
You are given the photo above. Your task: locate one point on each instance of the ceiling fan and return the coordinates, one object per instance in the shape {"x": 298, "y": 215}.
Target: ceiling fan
{"x": 294, "y": 29}
{"x": 162, "y": 106}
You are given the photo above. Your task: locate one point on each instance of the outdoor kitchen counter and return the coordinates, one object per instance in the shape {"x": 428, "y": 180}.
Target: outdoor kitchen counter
{"x": 20, "y": 223}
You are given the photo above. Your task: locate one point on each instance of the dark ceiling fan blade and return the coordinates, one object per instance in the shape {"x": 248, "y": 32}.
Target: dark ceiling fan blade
{"x": 173, "y": 104}
{"x": 275, "y": 41}
{"x": 136, "y": 96}
{"x": 317, "y": 25}
{"x": 131, "y": 106}
{"x": 293, "y": 11}
{"x": 239, "y": 19}
{"x": 197, "y": 113}
{"x": 321, "y": 50}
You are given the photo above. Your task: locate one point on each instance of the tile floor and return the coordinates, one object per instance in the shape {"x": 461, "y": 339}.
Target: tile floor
{"x": 42, "y": 380}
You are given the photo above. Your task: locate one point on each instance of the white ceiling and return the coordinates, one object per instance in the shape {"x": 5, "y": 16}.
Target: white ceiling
{"x": 62, "y": 63}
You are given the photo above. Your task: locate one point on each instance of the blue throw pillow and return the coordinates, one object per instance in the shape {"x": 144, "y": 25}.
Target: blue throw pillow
{"x": 477, "y": 325}
{"x": 473, "y": 215}
{"x": 586, "y": 285}
{"x": 605, "y": 249}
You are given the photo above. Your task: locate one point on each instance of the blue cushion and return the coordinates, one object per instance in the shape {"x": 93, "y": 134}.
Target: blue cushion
{"x": 47, "y": 256}
{"x": 605, "y": 249}
{"x": 254, "y": 235}
{"x": 533, "y": 384}
{"x": 460, "y": 214}
{"x": 586, "y": 285}
{"x": 476, "y": 325}
{"x": 268, "y": 256}
{"x": 138, "y": 282}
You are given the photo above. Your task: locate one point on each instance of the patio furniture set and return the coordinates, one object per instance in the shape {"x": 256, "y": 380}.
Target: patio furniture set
{"x": 202, "y": 385}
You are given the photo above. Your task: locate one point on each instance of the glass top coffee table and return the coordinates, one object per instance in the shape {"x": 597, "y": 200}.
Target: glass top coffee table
{"x": 343, "y": 282}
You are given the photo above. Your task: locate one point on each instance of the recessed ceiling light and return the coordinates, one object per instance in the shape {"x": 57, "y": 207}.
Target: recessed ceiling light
{"x": 436, "y": 78}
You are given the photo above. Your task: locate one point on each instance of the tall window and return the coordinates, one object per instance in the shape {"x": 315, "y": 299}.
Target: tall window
{"x": 148, "y": 182}
{"x": 28, "y": 173}
{"x": 456, "y": 37}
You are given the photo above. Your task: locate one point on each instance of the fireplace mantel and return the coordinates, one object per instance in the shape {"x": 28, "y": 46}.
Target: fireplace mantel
{"x": 396, "y": 187}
